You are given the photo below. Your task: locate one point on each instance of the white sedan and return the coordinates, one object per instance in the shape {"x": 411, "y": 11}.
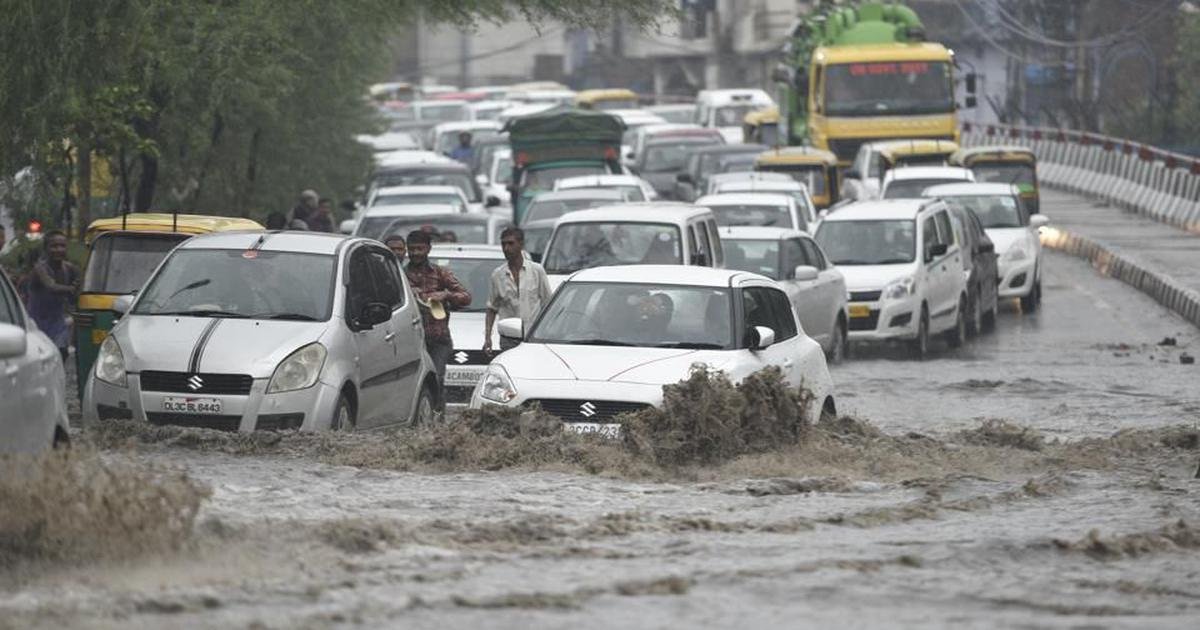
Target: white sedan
{"x": 33, "y": 415}
{"x": 612, "y": 337}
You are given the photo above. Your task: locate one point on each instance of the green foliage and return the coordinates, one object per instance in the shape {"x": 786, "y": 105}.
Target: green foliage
{"x": 216, "y": 106}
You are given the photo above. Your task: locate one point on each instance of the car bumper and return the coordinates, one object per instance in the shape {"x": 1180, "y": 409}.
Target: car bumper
{"x": 566, "y": 398}
{"x": 307, "y": 409}
{"x": 886, "y": 319}
{"x": 460, "y": 383}
{"x": 1017, "y": 279}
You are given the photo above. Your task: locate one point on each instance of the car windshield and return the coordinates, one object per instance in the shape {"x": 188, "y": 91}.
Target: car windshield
{"x": 543, "y": 178}
{"x": 994, "y": 211}
{"x": 912, "y": 188}
{"x": 578, "y": 246}
{"x": 414, "y": 177}
{"x": 883, "y": 242}
{"x": 891, "y": 87}
{"x": 756, "y": 256}
{"x": 732, "y": 115}
{"x": 242, "y": 284}
{"x": 474, "y": 273}
{"x": 450, "y": 112}
{"x": 121, "y": 263}
{"x": 437, "y": 199}
{"x": 667, "y": 156}
{"x": 1004, "y": 173}
{"x": 754, "y": 214}
{"x": 536, "y": 239}
{"x": 442, "y": 230}
{"x": 552, "y": 209}
{"x": 642, "y": 315}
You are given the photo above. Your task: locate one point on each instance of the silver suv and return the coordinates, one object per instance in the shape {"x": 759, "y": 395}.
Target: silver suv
{"x": 246, "y": 331}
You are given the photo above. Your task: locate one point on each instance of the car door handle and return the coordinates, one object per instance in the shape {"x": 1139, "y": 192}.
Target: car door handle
{"x": 416, "y": 322}
{"x": 389, "y": 337}
{"x": 11, "y": 370}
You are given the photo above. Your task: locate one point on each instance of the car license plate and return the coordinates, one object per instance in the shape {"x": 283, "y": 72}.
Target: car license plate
{"x": 192, "y": 405}
{"x": 98, "y": 337}
{"x": 610, "y": 431}
{"x": 860, "y": 310}
{"x": 463, "y": 377}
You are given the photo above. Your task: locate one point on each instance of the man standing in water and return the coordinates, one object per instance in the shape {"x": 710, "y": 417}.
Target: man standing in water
{"x": 53, "y": 283}
{"x": 436, "y": 290}
{"x": 519, "y": 288}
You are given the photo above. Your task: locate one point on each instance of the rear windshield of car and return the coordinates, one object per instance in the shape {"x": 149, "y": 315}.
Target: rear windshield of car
{"x": 882, "y": 242}
{"x": 442, "y": 230}
{"x": 754, "y": 214}
{"x": 426, "y": 178}
{"x": 759, "y": 256}
{"x": 552, "y": 209}
{"x": 121, "y": 263}
{"x": 1019, "y": 174}
{"x": 912, "y": 188}
{"x": 576, "y": 246}
{"x": 994, "y": 211}
{"x": 473, "y": 273}
{"x": 670, "y": 155}
{"x": 421, "y": 199}
{"x": 242, "y": 284}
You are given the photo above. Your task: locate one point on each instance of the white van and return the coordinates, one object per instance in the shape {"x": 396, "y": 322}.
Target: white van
{"x": 725, "y": 109}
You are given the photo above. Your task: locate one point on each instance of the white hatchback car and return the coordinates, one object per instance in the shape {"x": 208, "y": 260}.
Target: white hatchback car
{"x": 903, "y": 268}
{"x": 419, "y": 195}
{"x": 792, "y": 258}
{"x": 761, "y": 182}
{"x": 909, "y": 182}
{"x": 613, "y": 337}
{"x": 33, "y": 411}
{"x": 1012, "y": 230}
{"x": 756, "y": 209}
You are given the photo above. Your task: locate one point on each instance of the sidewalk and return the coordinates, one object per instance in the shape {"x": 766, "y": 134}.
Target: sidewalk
{"x": 1156, "y": 258}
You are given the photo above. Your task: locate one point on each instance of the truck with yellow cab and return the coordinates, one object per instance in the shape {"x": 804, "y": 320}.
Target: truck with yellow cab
{"x": 123, "y": 252}
{"x": 815, "y": 168}
{"x": 864, "y": 72}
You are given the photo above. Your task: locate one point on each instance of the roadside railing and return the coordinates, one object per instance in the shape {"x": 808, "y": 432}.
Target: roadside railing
{"x": 1159, "y": 184}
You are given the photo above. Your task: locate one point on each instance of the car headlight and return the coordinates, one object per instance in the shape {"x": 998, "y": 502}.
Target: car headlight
{"x": 1015, "y": 253}
{"x": 299, "y": 371}
{"x": 496, "y": 386}
{"x": 110, "y": 363}
{"x": 900, "y": 288}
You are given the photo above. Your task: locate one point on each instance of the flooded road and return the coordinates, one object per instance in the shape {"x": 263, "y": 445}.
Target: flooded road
{"x": 933, "y": 523}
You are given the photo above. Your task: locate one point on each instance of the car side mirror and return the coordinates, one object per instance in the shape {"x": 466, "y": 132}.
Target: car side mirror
{"x": 374, "y": 314}
{"x": 13, "y": 342}
{"x": 805, "y": 273}
{"x": 851, "y": 173}
{"x": 122, "y": 304}
{"x": 511, "y": 328}
{"x": 492, "y": 201}
{"x": 760, "y": 337}
{"x": 1039, "y": 220}
{"x": 347, "y": 226}
{"x": 935, "y": 250}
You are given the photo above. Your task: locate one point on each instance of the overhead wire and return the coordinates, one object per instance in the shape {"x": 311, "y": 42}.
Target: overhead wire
{"x": 1014, "y": 25}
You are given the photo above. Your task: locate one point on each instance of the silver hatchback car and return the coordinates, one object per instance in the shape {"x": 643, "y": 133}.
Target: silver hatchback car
{"x": 262, "y": 331}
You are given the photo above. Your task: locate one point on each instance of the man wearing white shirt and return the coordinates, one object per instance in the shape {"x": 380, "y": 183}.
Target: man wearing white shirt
{"x": 518, "y": 288}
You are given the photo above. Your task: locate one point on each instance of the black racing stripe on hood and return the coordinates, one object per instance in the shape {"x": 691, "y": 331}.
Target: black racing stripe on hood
{"x": 201, "y": 342}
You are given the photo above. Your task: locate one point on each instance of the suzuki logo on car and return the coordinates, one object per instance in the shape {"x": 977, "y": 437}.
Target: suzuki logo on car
{"x": 587, "y": 409}
{"x": 460, "y": 357}
{"x": 195, "y": 383}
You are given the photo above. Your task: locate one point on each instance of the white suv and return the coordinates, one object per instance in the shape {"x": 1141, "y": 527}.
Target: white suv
{"x": 903, "y": 270}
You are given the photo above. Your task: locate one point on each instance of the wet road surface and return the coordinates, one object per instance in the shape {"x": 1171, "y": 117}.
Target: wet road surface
{"x": 919, "y": 529}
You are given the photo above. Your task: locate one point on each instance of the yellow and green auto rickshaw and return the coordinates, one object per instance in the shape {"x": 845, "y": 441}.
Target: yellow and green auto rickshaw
{"x": 762, "y": 127}
{"x": 1006, "y": 165}
{"x": 813, "y": 167}
{"x": 916, "y": 152}
{"x": 122, "y": 253}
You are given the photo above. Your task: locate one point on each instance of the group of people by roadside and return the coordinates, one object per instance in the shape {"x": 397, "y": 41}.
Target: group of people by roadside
{"x": 312, "y": 213}
{"x": 518, "y": 288}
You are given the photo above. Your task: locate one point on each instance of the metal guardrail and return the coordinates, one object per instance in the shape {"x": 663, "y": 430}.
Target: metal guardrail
{"x": 1159, "y": 184}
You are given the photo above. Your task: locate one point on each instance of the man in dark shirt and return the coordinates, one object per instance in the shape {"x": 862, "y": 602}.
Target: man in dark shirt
{"x": 436, "y": 289}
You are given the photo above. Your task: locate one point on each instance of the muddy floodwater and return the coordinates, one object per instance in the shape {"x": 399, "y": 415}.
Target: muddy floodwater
{"x": 1042, "y": 477}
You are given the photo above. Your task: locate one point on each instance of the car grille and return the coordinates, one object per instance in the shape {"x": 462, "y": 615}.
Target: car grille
{"x": 865, "y": 323}
{"x": 182, "y": 382}
{"x": 457, "y": 394}
{"x": 582, "y": 410}
{"x": 865, "y": 296}
{"x": 469, "y": 357}
{"x": 196, "y": 420}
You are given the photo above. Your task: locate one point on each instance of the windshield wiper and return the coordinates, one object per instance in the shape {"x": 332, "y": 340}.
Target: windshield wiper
{"x": 188, "y": 287}
{"x": 203, "y": 313}
{"x": 691, "y": 345}
{"x": 299, "y": 317}
{"x": 594, "y": 342}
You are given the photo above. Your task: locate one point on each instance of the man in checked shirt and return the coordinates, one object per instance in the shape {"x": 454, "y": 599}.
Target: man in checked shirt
{"x": 437, "y": 289}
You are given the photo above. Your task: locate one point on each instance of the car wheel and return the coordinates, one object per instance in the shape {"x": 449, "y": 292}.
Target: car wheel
{"x": 975, "y": 315}
{"x": 839, "y": 347}
{"x": 343, "y": 415}
{"x": 1029, "y": 303}
{"x": 424, "y": 414}
{"x": 920, "y": 345}
{"x": 957, "y": 336}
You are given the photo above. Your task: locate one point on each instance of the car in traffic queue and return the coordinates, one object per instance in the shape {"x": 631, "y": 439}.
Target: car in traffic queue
{"x": 980, "y": 268}
{"x": 419, "y": 195}
{"x": 674, "y": 112}
{"x": 487, "y": 109}
{"x": 471, "y": 228}
{"x": 663, "y": 154}
{"x": 632, "y": 234}
{"x": 703, "y": 162}
{"x": 537, "y": 236}
{"x": 433, "y": 171}
{"x": 774, "y": 183}
{"x": 1004, "y": 164}
{"x": 375, "y": 220}
{"x": 483, "y": 148}
{"x": 632, "y": 187}
{"x": 1012, "y": 230}
{"x": 612, "y": 337}
{"x": 815, "y": 287}
{"x": 903, "y": 268}
{"x": 863, "y": 179}
{"x": 606, "y": 99}
{"x": 497, "y": 177}
{"x": 725, "y": 110}
{"x": 909, "y": 182}
{"x": 33, "y": 383}
{"x": 756, "y": 209}
{"x": 443, "y": 137}
{"x": 279, "y": 330}
{"x": 635, "y": 120}
{"x": 815, "y": 168}
{"x": 122, "y": 253}
{"x": 552, "y": 205}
